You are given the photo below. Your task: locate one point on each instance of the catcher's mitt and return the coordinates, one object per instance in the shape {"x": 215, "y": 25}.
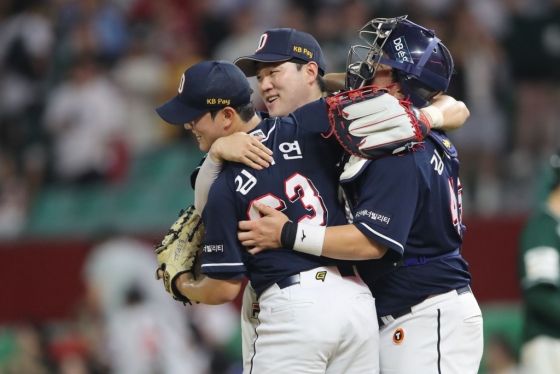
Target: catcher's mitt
{"x": 370, "y": 123}
{"x": 179, "y": 251}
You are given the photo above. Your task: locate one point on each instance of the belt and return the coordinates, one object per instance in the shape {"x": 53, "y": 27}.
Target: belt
{"x": 345, "y": 271}
{"x": 406, "y": 311}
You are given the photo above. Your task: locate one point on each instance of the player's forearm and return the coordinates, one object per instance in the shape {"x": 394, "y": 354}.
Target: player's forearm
{"x": 207, "y": 290}
{"x": 339, "y": 242}
{"x": 335, "y": 82}
{"x": 348, "y": 243}
{"x": 454, "y": 112}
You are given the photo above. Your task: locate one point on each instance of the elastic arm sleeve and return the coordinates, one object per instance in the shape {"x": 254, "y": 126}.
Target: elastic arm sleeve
{"x": 207, "y": 174}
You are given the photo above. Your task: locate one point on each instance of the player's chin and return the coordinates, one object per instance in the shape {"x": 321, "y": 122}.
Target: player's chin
{"x": 275, "y": 109}
{"x": 204, "y": 147}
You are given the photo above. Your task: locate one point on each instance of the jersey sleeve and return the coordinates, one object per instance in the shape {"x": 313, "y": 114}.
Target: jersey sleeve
{"x": 313, "y": 117}
{"x": 207, "y": 174}
{"x": 194, "y": 174}
{"x": 540, "y": 255}
{"x": 222, "y": 256}
{"x": 388, "y": 200}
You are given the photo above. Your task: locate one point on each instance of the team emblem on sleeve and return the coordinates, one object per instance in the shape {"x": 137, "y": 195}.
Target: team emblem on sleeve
{"x": 398, "y": 336}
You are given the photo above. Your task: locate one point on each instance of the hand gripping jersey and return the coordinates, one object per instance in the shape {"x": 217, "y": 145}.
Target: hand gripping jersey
{"x": 412, "y": 204}
{"x": 301, "y": 182}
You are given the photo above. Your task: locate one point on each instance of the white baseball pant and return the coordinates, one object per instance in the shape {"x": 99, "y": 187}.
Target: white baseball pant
{"x": 325, "y": 324}
{"x": 441, "y": 335}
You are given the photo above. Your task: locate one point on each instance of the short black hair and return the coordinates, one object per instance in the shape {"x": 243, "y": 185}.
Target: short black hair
{"x": 320, "y": 80}
{"x": 245, "y": 111}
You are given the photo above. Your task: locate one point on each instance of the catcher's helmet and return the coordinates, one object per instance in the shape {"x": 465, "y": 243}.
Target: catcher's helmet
{"x": 422, "y": 63}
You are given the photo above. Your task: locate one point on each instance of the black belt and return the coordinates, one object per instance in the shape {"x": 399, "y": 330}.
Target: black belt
{"x": 406, "y": 311}
{"x": 345, "y": 271}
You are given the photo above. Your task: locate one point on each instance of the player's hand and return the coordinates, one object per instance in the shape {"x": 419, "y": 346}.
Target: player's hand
{"x": 263, "y": 233}
{"x": 242, "y": 147}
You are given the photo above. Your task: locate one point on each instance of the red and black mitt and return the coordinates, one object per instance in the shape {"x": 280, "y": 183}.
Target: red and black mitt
{"x": 371, "y": 123}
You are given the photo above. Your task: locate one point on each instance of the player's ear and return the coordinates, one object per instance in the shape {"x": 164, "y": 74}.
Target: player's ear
{"x": 228, "y": 115}
{"x": 311, "y": 70}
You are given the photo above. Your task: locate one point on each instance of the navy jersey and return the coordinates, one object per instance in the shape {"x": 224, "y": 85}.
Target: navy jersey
{"x": 301, "y": 182}
{"x": 412, "y": 204}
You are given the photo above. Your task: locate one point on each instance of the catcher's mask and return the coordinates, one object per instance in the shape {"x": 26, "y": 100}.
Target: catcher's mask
{"x": 422, "y": 63}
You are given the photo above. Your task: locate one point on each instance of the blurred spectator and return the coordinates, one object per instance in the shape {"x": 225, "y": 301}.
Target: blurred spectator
{"x": 539, "y": 272}
{"x": 140, "y": 74}
{"x": 29, "y": 356}
{"x": 294, "y": 18}
{"x": 241, "y": 42}
{"x": 174, "y": 37}
{"x": 500, "y": 357}
{"x": 533, "y": 47}
{"x": 85, "y": 118}
{"x": 327, "y": 32}
{"x": 146, "y": 330}
{"x": 14, "y": 199}
{"x": 69, "y": 350}
{"x": 26, "y": 41}
{"x": 483, "y": 77}
{"x": 144, "y": 338}
{"x": 26, "y": 45}
{"x": 92, "y": 27}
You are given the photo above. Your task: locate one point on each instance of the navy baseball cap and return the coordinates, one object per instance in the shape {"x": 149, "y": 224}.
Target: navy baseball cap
{"x": 277, "y": 45}
{"x": 206, "y": 86}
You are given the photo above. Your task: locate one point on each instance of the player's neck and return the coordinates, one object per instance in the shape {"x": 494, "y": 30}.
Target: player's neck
{"x": 554, "y": 202}
{"x": 249, "y": 125}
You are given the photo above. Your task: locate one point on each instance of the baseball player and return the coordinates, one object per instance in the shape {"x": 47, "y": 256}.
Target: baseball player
{"x": 290, "y": 76}
{"x": 539, "y": 271}
{"x": 429, "y": 318}
{"x": 315, "y": 315}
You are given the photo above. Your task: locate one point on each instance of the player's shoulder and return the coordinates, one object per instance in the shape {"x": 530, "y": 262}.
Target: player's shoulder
{"x": 310, "y": 111}
{"x": 384, "y": 167}
{"x": 442, "y": 141}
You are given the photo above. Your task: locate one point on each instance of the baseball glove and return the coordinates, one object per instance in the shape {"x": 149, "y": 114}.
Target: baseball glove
{"x": 180, "y": 251}
{"x": 370, "y": 123}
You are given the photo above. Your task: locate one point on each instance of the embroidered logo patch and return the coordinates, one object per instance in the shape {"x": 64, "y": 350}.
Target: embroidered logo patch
{"x": 321, "y": 275}
{"x": 398, "y": 336}
{"x": 257, "y": 132}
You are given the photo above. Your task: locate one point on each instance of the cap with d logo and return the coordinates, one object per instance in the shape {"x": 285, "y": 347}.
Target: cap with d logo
{"x": 278, "y": 45}
{"x": 206, "y": 86}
